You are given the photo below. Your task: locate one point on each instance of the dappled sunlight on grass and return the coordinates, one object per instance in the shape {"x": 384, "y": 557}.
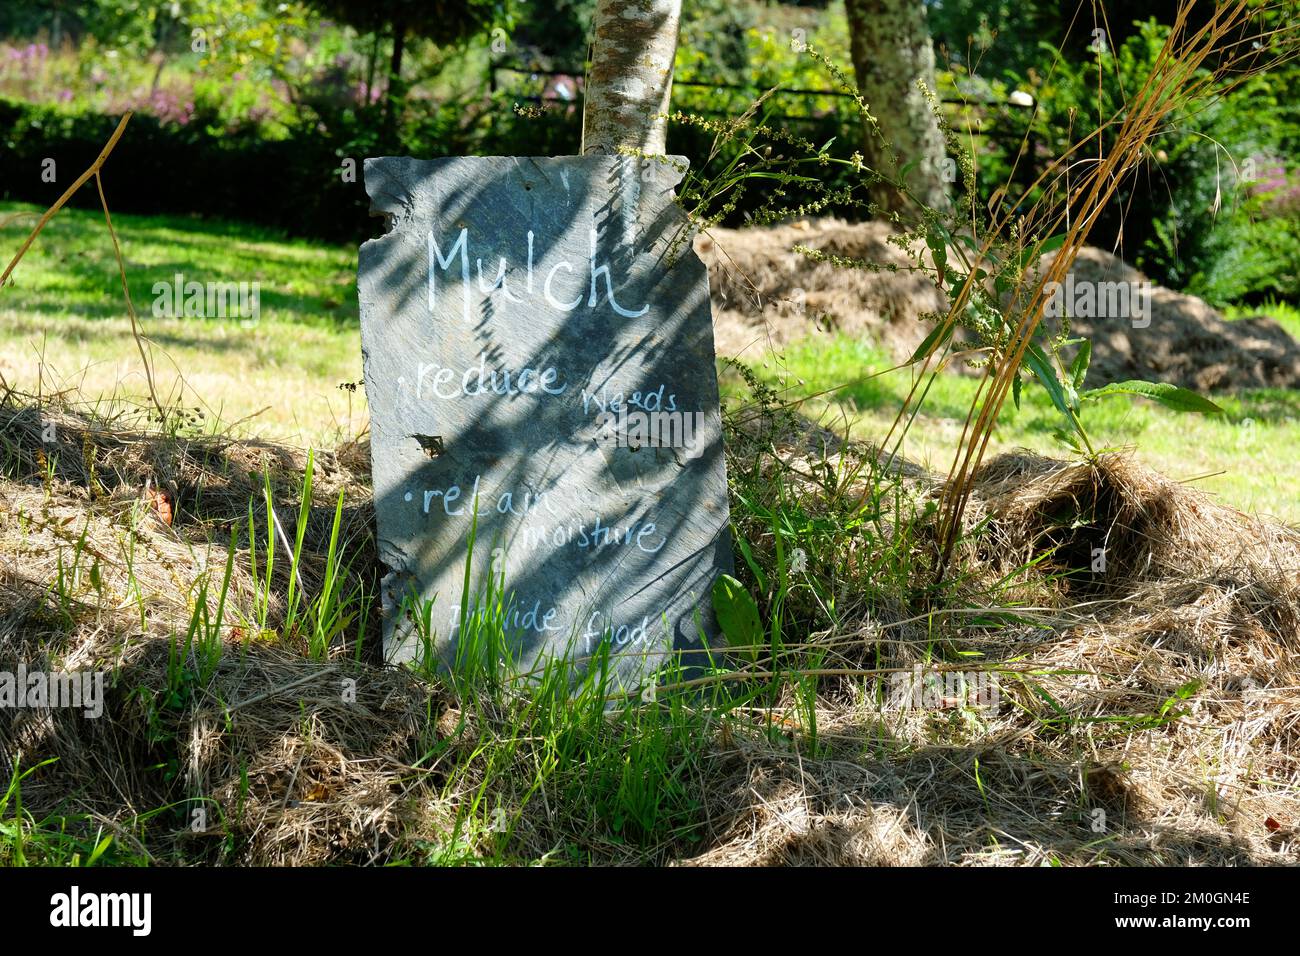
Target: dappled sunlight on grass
{"x": 1253, "y": 444}
{"x": 65, "y": 323}
{"x": 71, "y": 268}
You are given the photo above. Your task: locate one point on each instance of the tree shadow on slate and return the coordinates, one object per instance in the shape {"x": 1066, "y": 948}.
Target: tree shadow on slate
{"x": 538, "y": 340}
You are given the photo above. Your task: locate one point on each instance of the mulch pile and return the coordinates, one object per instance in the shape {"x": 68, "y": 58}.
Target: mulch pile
{"x": 766, "y": 296}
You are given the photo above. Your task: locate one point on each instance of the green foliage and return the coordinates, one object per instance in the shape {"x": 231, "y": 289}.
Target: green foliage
{"x": 554, "y": 32}
{"x": 294, "y": 185}
{"x": 1191, "y": 216}
{"x": 737, "y": 613}
{"x": 1238, "y": 258}
{"x": 995, "y": 36}
{"x": 312, "y": 74}
{"x": 442, "y": 21}
{"x": 130, "y": 24}
{"x": 26, "y": 841}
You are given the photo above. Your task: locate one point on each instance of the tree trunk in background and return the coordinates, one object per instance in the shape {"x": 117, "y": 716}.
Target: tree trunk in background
{"x": 631, "y": 77}
{"x": 399, "y": 47}
{"x": 891, "y": 49}
{"x": 393, "y": 89}
{"x": 370, "y": 70}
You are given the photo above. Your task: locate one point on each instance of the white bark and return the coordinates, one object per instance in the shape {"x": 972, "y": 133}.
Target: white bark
{"x": 631, "y": 81}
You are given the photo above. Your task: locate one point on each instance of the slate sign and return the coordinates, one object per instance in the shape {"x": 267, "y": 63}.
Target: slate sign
{"x": 539, "y": 366}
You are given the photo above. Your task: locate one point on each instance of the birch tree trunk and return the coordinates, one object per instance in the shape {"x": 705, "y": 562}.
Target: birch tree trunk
{"x": 891, "y": 49}
{"x": 631, "y": 79}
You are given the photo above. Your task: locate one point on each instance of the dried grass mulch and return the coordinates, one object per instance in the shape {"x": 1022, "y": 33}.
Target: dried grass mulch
{"x": 306, "y": 762}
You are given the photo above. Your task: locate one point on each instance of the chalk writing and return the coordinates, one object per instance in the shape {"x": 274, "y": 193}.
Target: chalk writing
{"x": 459, "y": 250}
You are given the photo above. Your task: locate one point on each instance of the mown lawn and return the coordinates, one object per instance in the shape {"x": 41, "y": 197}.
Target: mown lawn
{"x": 1246, "y": 457}
{"x": 63, "y": 324}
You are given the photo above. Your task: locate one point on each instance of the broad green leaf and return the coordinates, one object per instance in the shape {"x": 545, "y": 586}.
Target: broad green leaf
{"x": 737, "y": 615}
{"x": 937, "y": 337}
{"x": 1170, "y": 396}
{"x": 1041, "y": 366}
{"x": 1079, "y": 367}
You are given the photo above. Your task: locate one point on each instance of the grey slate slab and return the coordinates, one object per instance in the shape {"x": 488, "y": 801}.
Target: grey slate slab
{"x": 514, "y": 318}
